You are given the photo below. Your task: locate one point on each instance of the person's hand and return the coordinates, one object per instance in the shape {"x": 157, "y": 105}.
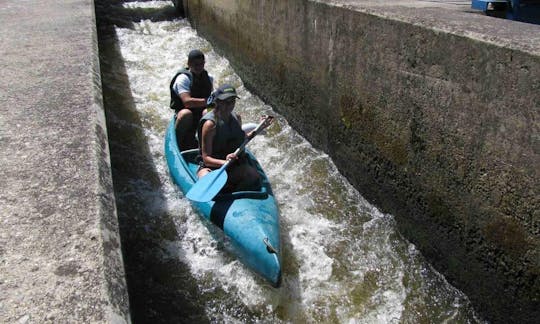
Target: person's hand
{"x": 231, "y": 157}
{"x": 263, "y": 131}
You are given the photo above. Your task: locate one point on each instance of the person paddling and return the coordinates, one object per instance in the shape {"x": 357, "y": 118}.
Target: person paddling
{"x": 220, "y": 133}
{"x": 190, "y": 88}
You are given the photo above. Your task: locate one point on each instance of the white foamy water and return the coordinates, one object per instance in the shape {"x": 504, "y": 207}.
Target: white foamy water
{"x": 343, "y": 260}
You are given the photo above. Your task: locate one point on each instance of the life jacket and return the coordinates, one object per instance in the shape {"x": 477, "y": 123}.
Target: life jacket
{"x": 201, "y": 87}
{"x": 229, "y": 136}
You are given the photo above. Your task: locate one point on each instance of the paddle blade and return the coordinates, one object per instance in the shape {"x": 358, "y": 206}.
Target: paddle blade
{"x": 207, "y": 187}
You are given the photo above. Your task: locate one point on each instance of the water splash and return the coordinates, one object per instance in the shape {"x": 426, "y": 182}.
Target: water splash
{"x": 343, "y": 260}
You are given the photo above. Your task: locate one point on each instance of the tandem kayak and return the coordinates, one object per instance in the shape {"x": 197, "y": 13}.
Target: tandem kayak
{"x": 249, "y": 219}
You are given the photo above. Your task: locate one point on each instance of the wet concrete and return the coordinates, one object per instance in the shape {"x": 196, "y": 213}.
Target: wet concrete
{"x": 429, "y": 108}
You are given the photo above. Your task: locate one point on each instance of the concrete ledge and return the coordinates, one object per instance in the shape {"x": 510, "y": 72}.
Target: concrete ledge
{"x": 430, "y": 109}
{"x": 59, "y": 245}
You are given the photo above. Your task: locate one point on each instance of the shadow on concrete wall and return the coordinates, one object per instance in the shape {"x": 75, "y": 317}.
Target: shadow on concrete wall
{"x": 160, "y": 290}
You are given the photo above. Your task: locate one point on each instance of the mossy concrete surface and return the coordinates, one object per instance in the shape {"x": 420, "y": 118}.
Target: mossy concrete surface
{"x": 429, "y": 108}
{"x": 60, "y": 257}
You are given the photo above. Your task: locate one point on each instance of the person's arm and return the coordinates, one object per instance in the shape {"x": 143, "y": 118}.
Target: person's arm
{"x": 239, "y": 118}
{"x": 190, "y": 102}
{"x": 182, "y": 86}
{"x": 208, "y": 133}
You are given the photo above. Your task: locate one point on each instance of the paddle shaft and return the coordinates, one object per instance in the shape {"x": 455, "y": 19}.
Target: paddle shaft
{"x": 249, "y": 138}
{"x": 243, "y": 145}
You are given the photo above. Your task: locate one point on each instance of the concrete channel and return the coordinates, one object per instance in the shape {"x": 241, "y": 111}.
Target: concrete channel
{"x": 430, "y": 109}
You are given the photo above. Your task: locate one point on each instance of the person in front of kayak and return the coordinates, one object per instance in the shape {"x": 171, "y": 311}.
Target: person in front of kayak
{"x": 220, "y": 133}
{"x": 190, "y": 88}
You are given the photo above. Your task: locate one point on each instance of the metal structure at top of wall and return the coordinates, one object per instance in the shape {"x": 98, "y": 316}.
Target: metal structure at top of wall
{"x": 520, "y": 10}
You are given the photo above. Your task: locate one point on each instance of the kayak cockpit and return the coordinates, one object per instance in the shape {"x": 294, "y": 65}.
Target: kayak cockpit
{"x": 191, "y": 157}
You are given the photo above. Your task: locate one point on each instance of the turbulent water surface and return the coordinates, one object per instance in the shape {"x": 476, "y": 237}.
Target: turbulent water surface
{"x": 343, "y": 260}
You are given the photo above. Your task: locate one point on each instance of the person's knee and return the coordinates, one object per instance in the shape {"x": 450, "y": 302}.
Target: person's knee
{"x": 202, "y": 172}
{"x": 251, "y": 179}
{"x": 184, "y": 117}
{"x": 253, "y": 174}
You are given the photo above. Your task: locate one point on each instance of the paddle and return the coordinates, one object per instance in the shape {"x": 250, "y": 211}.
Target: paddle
{"x": 248, "y": 127}
{"x": 207, "y": 187}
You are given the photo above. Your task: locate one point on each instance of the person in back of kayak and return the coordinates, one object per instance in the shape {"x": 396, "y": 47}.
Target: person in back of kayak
{"x": 220, "y": 133}
{"x": 190, "y": 88}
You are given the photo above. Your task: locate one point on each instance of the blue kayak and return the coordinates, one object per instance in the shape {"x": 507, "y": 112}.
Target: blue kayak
{"x": 250, "y": 219}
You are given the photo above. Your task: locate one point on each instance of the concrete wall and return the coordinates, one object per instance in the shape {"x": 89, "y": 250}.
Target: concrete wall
{"x": 432, "y": 113}
{"x": 60, "y": 258}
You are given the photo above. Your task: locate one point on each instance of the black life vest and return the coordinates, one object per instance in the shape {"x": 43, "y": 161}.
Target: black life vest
{"x": 229, "y": 136}
{"x": 201, "y": 87}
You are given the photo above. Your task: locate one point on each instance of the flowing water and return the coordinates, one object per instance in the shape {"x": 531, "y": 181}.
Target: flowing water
{"x": 343, "y": 260}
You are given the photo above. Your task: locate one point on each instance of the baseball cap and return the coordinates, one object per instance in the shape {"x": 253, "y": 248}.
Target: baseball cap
{"x": 225, "y": 91}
